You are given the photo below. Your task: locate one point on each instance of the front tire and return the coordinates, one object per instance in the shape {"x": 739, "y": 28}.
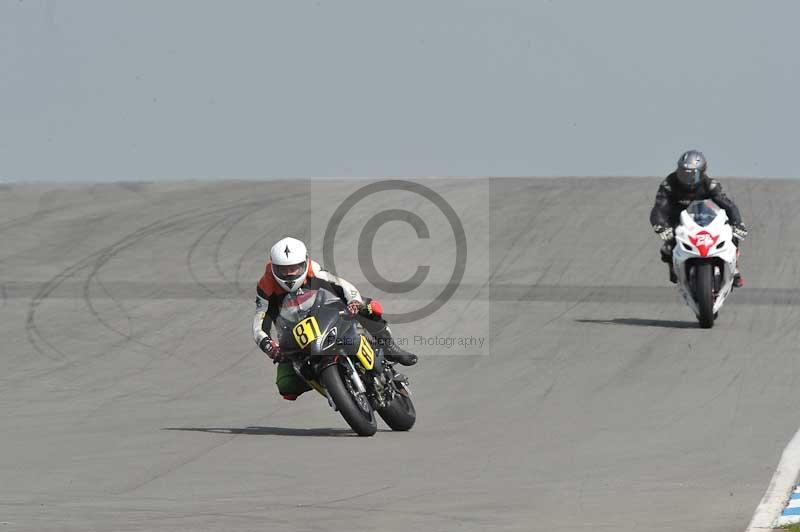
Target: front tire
{"x": 400, "y": 413}
{"x": 363, "y": 423}
{"x": 704, "y": 294}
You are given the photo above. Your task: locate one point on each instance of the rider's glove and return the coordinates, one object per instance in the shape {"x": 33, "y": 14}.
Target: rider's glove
{"x": 740, "y": 231}
{"x": 666, "y": 233}
{"x": 354, "y": 307}
{"x": 271, "y": 349}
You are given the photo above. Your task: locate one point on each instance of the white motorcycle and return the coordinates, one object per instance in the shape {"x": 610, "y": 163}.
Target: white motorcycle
{"x": 704, "y": 259}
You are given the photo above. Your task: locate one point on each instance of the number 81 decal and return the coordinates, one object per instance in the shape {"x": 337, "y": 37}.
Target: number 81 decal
{"x": 306, "y": 331}
{"x": 365, "y": 354}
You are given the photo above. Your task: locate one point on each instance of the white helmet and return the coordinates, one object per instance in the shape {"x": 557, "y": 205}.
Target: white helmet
{"x": 289, "y": 258}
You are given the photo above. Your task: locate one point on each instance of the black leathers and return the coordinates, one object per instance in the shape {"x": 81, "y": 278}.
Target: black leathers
{"x": 672, "y": 198}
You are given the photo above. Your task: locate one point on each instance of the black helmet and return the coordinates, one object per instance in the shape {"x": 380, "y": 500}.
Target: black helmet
{"x": 691, "y": 169}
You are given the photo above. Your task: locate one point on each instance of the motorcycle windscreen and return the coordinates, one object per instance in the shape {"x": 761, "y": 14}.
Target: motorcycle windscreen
{"x": 296, "y": 305}
{"x": 296, "y": 324}
{"x": 703, "y": 212}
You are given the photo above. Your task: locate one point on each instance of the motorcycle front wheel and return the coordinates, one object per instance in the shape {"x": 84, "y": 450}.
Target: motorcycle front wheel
{"x": 354, "y": 407}
{"x": 704, "y": 294}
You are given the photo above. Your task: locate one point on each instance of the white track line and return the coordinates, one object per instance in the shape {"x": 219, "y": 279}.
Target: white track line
{"x": 780, "y": 488}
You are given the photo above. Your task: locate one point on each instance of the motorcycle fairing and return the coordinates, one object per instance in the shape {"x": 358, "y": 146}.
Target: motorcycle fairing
{"x": 704, "y": 234}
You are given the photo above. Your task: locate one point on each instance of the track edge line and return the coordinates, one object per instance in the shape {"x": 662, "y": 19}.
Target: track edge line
{"x": 780, "y": 488}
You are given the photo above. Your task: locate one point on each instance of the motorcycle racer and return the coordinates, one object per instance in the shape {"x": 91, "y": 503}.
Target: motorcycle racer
{"x": 288, "y": 269}
{"x": 689, "y": 182}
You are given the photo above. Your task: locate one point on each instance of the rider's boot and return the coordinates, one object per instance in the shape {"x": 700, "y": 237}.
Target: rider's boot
{"x": 666, "y": 257}
{"x": 738, "y": 280}
{"x": 383, "y": 336}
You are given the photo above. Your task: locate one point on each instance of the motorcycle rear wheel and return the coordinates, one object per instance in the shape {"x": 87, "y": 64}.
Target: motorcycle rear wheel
{"x": 400, "y": 413}
{"x": 362, "y": 423}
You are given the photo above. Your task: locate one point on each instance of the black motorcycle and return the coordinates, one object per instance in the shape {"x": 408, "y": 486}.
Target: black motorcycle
{"x": 336, "y": 358}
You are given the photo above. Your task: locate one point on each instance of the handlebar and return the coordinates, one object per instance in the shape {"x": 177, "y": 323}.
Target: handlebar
{"x": 346, "y": 316}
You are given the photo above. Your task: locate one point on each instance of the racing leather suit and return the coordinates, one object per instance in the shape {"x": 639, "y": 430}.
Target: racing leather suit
{"x": 672, "y": 198}
{"x": 270, "y": 296}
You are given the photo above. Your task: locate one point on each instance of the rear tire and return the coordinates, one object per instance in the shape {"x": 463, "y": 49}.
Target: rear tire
{"x": 363, "y": 424}
{"x": 704, "y": 293}
{"x": 400, "y": 413}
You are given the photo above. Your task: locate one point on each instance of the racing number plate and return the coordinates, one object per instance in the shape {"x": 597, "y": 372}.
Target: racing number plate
{"x": 365, "y": 354}
{"x": 306, "y": 331}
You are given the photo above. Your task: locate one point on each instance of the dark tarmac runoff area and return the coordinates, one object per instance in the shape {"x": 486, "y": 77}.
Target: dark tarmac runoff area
{"x": 563, "y": 386}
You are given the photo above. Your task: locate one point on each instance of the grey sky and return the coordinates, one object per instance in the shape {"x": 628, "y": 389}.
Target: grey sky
{"x": 185, "y": 89}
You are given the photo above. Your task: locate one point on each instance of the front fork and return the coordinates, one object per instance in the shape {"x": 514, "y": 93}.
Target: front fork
{"x": 718, "y": 278}
{"x": 356, "y": 384}
{"x": 722, "y": 282}
{"x": 382, "y": 392}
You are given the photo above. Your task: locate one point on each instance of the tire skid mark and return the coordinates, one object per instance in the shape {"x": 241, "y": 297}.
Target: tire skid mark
{"x": 101, "y": 261}
{"x": 32, "y": 217}
{"x": 221, "y": 240}
{"x": 126, "y": 375}
{"x": 99, "y": 258}
{"x": 116, "y": 302}
{"x": 173, "y": 226}
{"x": 34, "y": 335}
{"x": 88, "y": 301}
{"x": 325, "y": 504}
{"x": 106, "y": 351}
{"x": 192, "y": 250}
{"x": 64, "y": 365}
{"x": 240, "y": 262}
{"x": 134, "y": 372}
{"x": 90, "y": 221}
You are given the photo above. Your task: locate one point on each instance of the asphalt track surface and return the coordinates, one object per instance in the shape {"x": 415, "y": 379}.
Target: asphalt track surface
{"x": 133, "y": 398}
